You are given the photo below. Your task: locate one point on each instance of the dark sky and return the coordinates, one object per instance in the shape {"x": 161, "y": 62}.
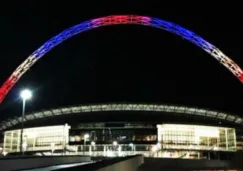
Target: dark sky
{"x": 120, "y": 63}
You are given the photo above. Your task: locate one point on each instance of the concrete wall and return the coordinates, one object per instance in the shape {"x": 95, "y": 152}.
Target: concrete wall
{"x": 187, "y": 164}
{"x": 18, "y": 163}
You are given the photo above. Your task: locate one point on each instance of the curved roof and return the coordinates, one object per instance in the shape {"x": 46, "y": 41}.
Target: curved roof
{"x": 124, "y": 107}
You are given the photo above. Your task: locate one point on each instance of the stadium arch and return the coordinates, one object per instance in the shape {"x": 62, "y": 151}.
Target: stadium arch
{"x": 115, "y": 20}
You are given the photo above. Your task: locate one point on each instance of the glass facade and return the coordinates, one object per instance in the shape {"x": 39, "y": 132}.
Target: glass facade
{"x": 37, "y": 139}
{"x": 194, "y": 137}
{"x": 105, "y": 135}
{"x": 167, "y": 140}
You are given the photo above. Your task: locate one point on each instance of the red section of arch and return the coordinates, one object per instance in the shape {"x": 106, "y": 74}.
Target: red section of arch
{"x": 6, "y": 87}
{"x": 241, "y": 77}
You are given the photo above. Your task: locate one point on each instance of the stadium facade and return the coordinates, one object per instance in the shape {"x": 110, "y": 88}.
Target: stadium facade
{"x": 128, "y": 136}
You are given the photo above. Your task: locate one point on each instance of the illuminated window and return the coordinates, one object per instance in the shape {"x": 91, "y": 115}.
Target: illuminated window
{"x": 173, "y": 136}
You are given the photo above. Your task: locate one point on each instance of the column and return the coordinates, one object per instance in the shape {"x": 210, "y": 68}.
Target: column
{"x": 11, "y": 142}
{"x": 104, "y": 150}
{"x": 234, "y": 139}
{"x": 4, "y": 142}
{"x": 226, "y": 139}
{"x": 90, "y": 150}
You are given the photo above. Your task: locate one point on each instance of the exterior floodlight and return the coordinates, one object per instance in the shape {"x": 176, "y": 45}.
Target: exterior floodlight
{"x": 86, "y": 136}
{"x": 115, "y": 143}
{"x": 26, "y": 94}
{"x": 159, "y": 145}
{"x": 131, "y": 144}
{"x": 24, "y": 146}
{"x": 154, "y": 148}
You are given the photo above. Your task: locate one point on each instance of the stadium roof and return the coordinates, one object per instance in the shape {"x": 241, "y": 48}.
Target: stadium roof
{"x": 160, "y": 108}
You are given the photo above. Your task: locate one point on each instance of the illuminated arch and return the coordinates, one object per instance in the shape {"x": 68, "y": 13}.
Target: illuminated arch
{"x": 114, "y": 20}
{"x": 159, "y": 108}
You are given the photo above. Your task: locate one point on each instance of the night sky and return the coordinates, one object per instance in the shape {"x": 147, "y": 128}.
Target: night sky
{"x": 123, "y": 63}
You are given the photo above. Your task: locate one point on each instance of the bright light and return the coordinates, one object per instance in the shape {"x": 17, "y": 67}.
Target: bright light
{"x": 154, "y": 148}
{"x": 114, "y": 143}
{"x": 52, "y": 144}
{"x": 207, "y": 132}
{"x": 131, "y": 144}
{"x": 5, "y": 153}
{"x": 31, "y": 134}
{"x": 24, "y": 146}
{"x": 159, "y": 145}
{"x": 92, "y": 143}
{"x": 86, "y": 136}
{"x": 26, "y": 94}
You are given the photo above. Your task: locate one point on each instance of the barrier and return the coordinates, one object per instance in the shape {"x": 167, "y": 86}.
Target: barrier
{"x": 20, "y": 163}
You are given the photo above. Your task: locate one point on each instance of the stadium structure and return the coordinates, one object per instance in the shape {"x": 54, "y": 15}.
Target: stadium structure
{"x": 122, "y": 129}
{"x": 126, "y": 129}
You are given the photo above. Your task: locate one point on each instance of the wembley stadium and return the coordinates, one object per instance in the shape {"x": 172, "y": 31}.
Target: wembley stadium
{"x": 154, "y": 130}
{"x": 123, "y": 129}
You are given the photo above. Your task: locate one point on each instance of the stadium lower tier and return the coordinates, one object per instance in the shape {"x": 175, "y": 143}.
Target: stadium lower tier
{"x": 122, "y": 139}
